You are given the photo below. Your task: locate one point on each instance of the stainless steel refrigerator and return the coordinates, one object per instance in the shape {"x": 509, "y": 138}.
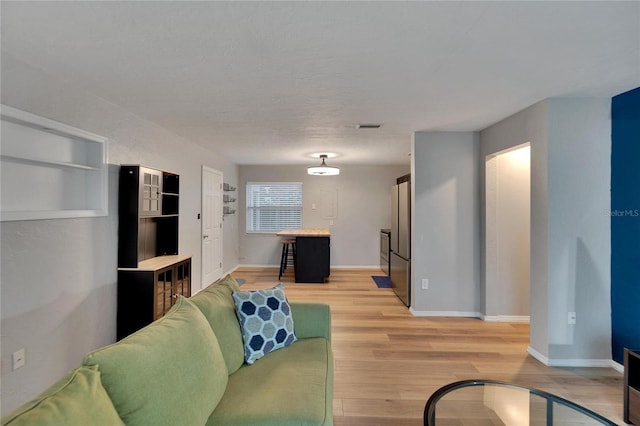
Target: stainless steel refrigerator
{"x": 400, "y": 269}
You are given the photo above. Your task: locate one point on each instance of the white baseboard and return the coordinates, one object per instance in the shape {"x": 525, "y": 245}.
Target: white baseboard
{"x": 458, "y": 314}
{"x": 507, "y": 318}
{"x": 255, "y": 265}
{"x": 604, "y": 363}
{"x": 617, "y": 366}
{"x": 224, "y": 274}
{"x": 537, "y": 355}
{"x": 462, "y": 314}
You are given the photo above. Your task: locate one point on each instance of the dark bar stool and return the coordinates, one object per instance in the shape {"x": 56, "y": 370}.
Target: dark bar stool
{"x": 288, "y": 255}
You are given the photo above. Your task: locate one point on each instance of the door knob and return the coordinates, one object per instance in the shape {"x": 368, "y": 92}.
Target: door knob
{"x": 205, "y": 236}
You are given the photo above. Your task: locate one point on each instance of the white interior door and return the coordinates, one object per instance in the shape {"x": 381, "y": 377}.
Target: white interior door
{"x": 211, "y": 225}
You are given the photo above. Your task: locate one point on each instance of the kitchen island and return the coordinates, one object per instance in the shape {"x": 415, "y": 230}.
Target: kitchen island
{"x": 312, "y": 261}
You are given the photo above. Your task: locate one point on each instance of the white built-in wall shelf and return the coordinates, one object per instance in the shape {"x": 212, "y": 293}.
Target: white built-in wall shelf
{"x": 50, "y": 170}
{"x": 227, "y": 199}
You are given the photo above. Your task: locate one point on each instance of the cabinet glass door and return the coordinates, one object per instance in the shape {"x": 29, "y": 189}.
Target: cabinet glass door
{"x": 150, "y": 191}
{"x": 164, "y": 289}
{"x": 183, "y": 279}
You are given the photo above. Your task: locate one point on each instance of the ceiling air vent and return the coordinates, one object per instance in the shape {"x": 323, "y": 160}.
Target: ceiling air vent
{"x": 368, "y": 126}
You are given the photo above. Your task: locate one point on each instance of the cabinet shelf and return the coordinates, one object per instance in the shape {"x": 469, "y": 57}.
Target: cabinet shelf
{"x": 158, "y": 262}
{"x": 46, "y": 163}
{"x": 148, "y": 216}
{"x": 58, "y": 214}
{"x": 50, "y": 170}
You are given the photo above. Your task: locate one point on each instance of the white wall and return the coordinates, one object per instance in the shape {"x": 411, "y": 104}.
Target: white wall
{"x": 570, "y": 233}
{"x": 529, "y": 125}
{"x": 445, "y": 227}
{"x": 364, "y": 207}
{"x": 579, "y": 246}
{"x": 59, "y": 276}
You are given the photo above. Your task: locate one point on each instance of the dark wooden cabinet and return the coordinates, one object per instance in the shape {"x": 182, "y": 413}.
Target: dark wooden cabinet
{"x": 148, "y": 207}
{"x": 632, "y": 386}
{"x": 151, "y": 273}
{"x": 146, "y": 293}
{"x": 312, "y": 262}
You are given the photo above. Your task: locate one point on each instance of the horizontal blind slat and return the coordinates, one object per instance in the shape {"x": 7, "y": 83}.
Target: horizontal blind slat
{"x": 273, "y": 206}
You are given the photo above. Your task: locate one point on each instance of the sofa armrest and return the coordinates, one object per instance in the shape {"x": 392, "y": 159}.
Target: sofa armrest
{"x": 311, "y": 320}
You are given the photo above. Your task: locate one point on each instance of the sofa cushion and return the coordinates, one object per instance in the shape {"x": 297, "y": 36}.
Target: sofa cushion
{"x": 77, "y": 399}
{"x": 266, "y": 321}
{"x": 311, "y": 319}
{"x": 168, "y": 373}
{"x": 291, "y": 386}
{"x": 217, "y": 305}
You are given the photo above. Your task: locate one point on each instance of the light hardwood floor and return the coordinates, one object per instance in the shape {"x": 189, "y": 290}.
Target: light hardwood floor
{"x": 388, "y": 362}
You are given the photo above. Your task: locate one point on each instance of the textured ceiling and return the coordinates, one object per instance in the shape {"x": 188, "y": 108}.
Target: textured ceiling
{"x": 271, "y": 82}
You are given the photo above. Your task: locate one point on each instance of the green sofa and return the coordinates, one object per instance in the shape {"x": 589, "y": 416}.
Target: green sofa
{"x": 188, "y": 368}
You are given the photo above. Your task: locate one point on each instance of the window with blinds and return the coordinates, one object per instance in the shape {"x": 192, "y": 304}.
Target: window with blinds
{"x": 272, "y": 207}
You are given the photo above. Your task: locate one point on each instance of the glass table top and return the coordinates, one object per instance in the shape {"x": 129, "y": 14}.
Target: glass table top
{"x": 487, "y": 402}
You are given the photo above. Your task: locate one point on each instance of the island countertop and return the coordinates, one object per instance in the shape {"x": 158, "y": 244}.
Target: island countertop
{"x": 311, "y": 252}
{"x": 304, "y": 232}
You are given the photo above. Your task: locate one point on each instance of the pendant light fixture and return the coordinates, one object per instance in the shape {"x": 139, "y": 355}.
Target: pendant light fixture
{"x": 323, "y": 169}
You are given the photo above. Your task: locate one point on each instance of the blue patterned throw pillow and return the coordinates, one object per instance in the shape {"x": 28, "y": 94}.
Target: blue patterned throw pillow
{"x": 266, "y": 321}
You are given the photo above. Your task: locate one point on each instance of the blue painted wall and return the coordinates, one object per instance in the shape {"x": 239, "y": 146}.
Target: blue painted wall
{"x": 625, "y": 223}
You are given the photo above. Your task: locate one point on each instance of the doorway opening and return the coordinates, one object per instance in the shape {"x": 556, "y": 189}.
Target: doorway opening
{"x": 508, "y": 234}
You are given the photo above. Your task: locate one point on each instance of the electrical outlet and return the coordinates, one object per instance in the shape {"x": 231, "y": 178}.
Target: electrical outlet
{"x": 425, "y": 284}
{"x": 18, "y": 359}
{"x": 571, "y": 318}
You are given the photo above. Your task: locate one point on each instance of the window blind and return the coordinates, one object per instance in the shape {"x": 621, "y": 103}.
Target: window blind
{"x": 273, "y": 206}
